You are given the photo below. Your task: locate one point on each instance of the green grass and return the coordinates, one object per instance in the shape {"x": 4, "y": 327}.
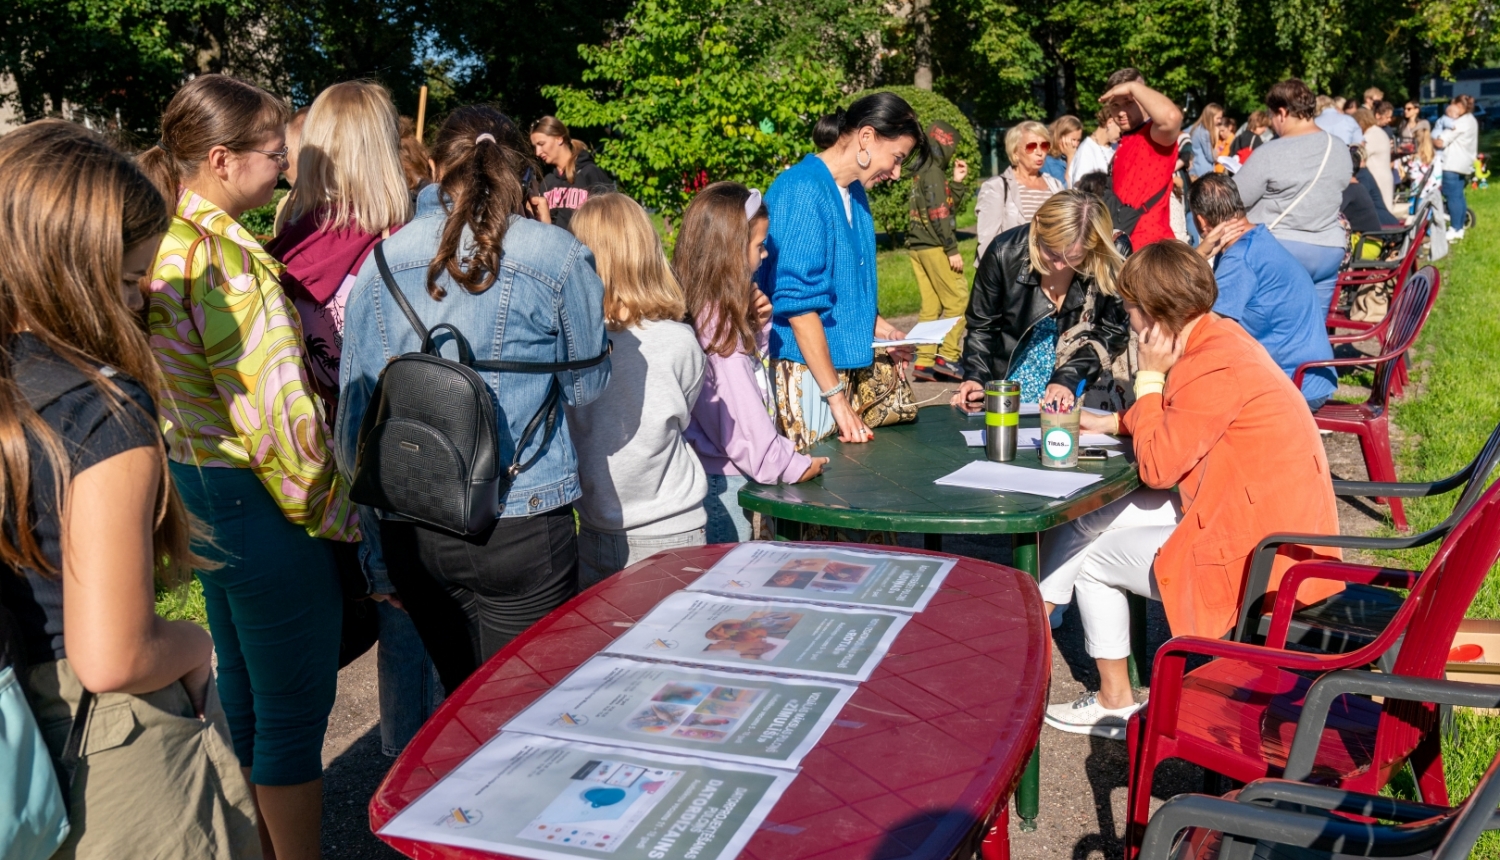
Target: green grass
{"x": 184, "y": 603}
{"x": 1445, "y": 423}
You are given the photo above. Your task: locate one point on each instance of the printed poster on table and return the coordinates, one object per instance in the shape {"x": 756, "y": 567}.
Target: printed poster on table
{"x": 766, "y": 636}
{"x": 544, "y": 798}
{"x": 891, "y": 580}
{"x": 723, "y": 715}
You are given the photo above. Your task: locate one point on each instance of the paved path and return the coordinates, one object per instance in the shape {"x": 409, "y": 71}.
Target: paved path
{"x": 1083, "y": 779}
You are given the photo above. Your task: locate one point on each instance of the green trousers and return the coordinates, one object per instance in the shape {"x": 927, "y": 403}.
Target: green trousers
{"x": 945, "y": 293}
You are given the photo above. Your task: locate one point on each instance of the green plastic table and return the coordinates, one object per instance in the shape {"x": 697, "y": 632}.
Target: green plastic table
{"x": 887, "y": 485}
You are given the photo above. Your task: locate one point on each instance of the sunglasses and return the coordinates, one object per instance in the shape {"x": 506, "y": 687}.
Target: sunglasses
{"x": 1043, "y": 145}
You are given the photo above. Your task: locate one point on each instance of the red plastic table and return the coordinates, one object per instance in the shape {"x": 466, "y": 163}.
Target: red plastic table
{"x": 919, "y": 764}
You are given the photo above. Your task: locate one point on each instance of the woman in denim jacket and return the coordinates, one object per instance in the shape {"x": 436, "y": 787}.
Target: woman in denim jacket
{"x": 518, "y": 290}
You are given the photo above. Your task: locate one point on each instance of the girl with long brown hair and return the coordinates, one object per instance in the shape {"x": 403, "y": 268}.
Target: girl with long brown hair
{"x": 719, "y": 250}
{"x": 92, "y": 518}
{"x": 517, "y": 290}
{"x": 250, "y": 446}
{"x": 574, "y": 177}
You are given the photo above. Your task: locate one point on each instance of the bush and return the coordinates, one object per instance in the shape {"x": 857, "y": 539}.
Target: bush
{"x": 889, "y": 200}
{"x": 260, "y": 220}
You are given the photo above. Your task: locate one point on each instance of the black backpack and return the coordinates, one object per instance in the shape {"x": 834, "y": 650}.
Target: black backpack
{"x": 428, "y": 446}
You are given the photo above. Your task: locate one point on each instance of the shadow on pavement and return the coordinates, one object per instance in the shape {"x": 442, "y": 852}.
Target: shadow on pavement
{"x": 348, "y": 784}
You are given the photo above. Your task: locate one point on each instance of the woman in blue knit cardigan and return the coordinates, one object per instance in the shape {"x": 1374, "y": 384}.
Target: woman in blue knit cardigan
{"x": 820, "y": 272}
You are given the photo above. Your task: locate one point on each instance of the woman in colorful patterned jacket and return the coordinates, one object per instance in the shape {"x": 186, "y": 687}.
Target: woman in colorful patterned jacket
{"x": 250, "y": 447}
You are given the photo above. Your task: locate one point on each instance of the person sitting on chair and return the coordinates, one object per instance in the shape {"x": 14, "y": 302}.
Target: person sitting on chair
{"x": 1262, "y": 286}
{"x": 1216, "y": 418}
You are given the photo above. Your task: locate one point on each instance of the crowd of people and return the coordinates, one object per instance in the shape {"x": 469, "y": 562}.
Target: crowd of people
{"x": 199, "y": 400}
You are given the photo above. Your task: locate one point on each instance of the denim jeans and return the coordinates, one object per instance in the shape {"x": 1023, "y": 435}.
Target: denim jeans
{"x": 410, "y": 689}
{"x": 601, "y": 554}
{"x": 1453, "y": 197}
{"x": 727, "y": 522}
{"x": 1322, "y": 262}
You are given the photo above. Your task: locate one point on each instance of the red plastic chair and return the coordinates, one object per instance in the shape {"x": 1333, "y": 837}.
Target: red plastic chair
{"x": 1370, "y": 421}
{"x": 1237, "y": 715}
{"x": 1378, "y": 273}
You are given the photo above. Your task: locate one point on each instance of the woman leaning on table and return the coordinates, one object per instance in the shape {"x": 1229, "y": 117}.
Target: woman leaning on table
{"x": 1043, "y": 310}
{"x": 820, "y": 269}
{"x": 250, "y": 447}
{"x": 1215, "y": 417}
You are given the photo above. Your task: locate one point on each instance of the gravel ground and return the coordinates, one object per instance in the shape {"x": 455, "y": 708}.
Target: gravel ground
{"x": 1083, "y": 783}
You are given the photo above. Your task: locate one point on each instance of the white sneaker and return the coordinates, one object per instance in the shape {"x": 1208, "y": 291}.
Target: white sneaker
{"x": 1087, "y": 717}
{"x": 1454, "y": 235}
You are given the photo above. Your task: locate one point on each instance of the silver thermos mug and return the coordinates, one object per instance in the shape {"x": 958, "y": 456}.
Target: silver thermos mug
{"x": 1002, "y": 418}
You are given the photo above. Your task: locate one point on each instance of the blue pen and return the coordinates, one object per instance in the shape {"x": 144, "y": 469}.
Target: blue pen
{"x": 1078, "y": 392}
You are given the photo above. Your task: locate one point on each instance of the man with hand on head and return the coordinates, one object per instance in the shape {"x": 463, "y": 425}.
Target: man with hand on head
{"x": 1262, "y": 286}
{"x": 1141, "y": 182}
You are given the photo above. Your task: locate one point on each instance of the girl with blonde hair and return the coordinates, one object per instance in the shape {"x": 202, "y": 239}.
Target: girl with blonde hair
{"x": 1010, "y": 199}
{"x": 643, "y": 487}
{"x": 352, "y": 191}
{"x": 1044, "y": 312}
{"x": 1067, "y": 133}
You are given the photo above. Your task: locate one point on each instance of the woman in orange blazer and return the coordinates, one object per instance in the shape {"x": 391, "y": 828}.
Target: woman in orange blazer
{"x": 1217, "y": 419}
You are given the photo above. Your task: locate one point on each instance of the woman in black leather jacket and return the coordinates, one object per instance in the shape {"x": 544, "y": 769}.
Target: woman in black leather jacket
{"x": 1043, "y": 309}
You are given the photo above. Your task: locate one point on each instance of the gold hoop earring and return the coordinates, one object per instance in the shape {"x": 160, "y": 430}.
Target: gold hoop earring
{"x": 862, "y": 164}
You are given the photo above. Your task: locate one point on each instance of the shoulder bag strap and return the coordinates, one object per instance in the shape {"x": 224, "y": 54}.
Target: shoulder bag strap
{"x": 401, "y": 302}
{"x": 1319, "y": 175}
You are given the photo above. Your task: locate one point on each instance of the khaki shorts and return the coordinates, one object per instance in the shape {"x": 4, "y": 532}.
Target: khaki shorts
{"x": 153, "y": 781}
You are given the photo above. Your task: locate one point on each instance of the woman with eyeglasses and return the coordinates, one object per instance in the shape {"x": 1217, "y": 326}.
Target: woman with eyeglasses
{"x": 1043, "y": 309}
{"x": 250, "y": 448}
{"x": 1012, "y": 198}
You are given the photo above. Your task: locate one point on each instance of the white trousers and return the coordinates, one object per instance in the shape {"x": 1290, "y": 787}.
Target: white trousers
{"x": 1103, "y": 555}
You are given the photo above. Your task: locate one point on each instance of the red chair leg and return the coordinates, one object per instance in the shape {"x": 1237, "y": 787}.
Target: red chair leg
{"x": 1375, "y": 440}
{"x": 1142, "y": 745}
{"x": 1427, "y": 762}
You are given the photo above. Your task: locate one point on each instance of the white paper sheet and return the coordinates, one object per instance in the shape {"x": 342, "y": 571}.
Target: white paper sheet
{"x": 526, "y": 796}
{"x": 1031, "y": 437}
{"x": 753, "y": 719}
{"x": 803, "y": 639}
{"x": 926, "y": 332}
{"x": 842, "y": 577}
{"x": 1053, "y": 483}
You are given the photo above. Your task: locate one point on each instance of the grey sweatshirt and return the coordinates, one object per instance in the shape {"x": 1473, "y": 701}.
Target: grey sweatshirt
{"x": 1278, "y": 173}
{"x": 639, "y": 474}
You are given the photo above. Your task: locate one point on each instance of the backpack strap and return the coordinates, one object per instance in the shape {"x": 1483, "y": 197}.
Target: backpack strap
{"x": 390, "y": 284}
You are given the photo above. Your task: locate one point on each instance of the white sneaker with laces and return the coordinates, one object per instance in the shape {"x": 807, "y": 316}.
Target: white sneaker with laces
{"x": 1087, "y": 717}
{"x": 1454, "y": 235}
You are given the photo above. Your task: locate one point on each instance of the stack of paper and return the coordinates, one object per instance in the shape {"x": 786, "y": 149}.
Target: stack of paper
{"x": 984, "y": 475}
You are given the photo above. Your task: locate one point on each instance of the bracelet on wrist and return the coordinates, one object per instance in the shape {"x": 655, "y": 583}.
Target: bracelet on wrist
{"x": 832, "y": 392}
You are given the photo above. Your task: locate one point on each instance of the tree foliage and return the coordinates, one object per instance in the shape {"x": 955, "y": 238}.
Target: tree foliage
{"x": 686, "y": 103}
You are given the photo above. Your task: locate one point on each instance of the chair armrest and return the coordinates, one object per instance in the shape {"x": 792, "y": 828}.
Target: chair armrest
{"x": 1344, "y": 362}
{"x": 1252, "y": 821}
{"x": 1337, "y": 571}
{"x": 1324, "y": 691}
{"x": 1407, "y": 490}
{"x": 1338, "y": 800}
{"x": 1368, "y": 265}
{"x": 1171, "y": 663}
{"x": 1263, "y": 558}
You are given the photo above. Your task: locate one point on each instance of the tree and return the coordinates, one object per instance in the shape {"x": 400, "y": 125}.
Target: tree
{"x": 684, "y": 103}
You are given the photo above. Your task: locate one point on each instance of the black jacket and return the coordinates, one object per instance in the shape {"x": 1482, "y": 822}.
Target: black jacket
{"x": 563, "y": 197}
{"x": 1007, "y": 301}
